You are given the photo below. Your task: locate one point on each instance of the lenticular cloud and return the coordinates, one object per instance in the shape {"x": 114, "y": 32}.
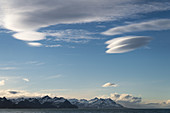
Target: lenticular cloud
{"x": 26, "y": 17}
{"x": 126, "y": 44}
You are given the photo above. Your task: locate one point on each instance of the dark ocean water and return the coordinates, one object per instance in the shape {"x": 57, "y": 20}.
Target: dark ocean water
{"x": 84, "y": 111}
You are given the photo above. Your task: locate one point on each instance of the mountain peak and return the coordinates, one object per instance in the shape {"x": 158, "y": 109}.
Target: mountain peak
{"x": 46, "y": 97}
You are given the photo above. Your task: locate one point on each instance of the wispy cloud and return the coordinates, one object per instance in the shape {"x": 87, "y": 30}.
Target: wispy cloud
{"x": 13, "y": 78}
{"x": 6, "y": 31}
{"x": 54, "y": 90}
{"x": 2, "y": 82}
{"x": 35, "y": 63}
{"x": 56, "y": 45}
{"x": 153, "y": 25}
{"x": 126, "y": 44}
{"x": 54, "y": 77}
{"x": 8, "y": 68}
{"x": 9, "y": 77}
{"x": 109, "y": 85}
{"x": 70, "y": 35}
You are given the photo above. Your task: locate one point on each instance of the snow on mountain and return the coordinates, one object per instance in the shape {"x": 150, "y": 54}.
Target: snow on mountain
{"x": 61, "y": 102}
{"x": 95, "y": 103}
{"x": 46, "y": 102}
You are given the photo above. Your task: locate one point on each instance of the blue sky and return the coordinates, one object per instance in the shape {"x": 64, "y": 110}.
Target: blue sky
{"x": 86, "y": 49}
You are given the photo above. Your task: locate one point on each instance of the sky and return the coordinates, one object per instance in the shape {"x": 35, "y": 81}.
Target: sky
{"x": 118, "y": 49}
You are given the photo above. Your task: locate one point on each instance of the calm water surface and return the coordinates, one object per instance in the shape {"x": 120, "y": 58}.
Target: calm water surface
{"x": 81, "y": 111}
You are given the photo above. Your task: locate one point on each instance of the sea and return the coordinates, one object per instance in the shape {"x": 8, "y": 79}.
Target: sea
{"x": 84, "y": 110}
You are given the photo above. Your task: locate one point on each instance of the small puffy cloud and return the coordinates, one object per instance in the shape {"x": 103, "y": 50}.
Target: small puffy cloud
{"x": 125, "y": 98}
{"x": 2, "y": 82}
{"x": 109, "y": 85}
{"x": 127, "y": 43}
{"x": 36, "y": 44}
{"x": 13, "y": 92}
{"x": 26, "y": 79}
{"x": 154, "y": 25}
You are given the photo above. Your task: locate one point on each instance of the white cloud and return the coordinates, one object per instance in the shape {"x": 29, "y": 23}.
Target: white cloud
{"x": 26, "y": 17}
{"x": 125, "y": 98}
{"x": 9, "y": 77}
{"x": 36, "y": 44}
{"x": 26, "y": 79}
{"x": 2, "y": 82}
{"x": 153, "y": 25}
{"x": 109, "y": 85}
{"x": 29, "y": 36}
{"x": 126, "y": 44}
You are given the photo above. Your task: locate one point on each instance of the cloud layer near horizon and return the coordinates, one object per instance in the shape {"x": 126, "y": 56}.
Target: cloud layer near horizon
{"x": 131, "y": 101}
{"x": 28, "y": 16}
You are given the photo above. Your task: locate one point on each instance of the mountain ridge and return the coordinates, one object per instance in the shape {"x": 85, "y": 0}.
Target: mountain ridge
{"x": 96, "y": 103}
{"x": 58, "y": 102}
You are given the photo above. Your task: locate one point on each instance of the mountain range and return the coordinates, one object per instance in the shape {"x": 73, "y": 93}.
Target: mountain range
{"x": 96, "y": 103}
{"x": 58, "y": 102}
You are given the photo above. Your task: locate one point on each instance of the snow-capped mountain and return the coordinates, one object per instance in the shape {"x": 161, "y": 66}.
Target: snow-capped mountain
{"x": 95, "y": 103}
{"x": 48, "y": 102}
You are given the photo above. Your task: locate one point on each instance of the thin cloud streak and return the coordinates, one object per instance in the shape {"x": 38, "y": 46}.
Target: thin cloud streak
{"x": 54, "y": 90}
{"x": 153, "y": 25}
{"x": 7, "y": 68}
{"x": 54, "y": 77}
